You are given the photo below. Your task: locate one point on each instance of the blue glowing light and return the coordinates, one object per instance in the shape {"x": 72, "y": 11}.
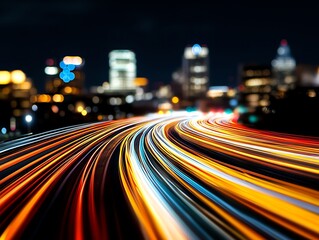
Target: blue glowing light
{"x": 233, "y": 102}
{"x": 3, "y": 130}
{"x": 196, "y": 49}
{"x": 66, "y": 75}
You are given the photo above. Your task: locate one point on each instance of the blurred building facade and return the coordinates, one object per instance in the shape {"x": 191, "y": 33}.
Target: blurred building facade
{"x": 256, "y": 87}
{"x": 16, "y": 90}
{"x": 283, "y": 68}
{"x": 122, "y": 72}
{"x": 61, "y": 80}
{"x": 194, "y": 77}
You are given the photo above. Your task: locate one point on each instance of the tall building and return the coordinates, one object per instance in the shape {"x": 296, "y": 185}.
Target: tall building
{"x": 195, "y": 71}
{"x": 122, "y": 71}
{"x": 283, "y": 67}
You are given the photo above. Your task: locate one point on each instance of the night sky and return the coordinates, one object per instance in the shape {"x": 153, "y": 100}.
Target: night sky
{"x": 234, "y": 31}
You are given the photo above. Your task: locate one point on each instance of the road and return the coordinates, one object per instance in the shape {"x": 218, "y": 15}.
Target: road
{"x": 175, "y": 176}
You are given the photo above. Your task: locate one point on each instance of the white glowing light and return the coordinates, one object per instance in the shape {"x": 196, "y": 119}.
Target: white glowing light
{"x": 51, "y": 70}
{"x": 129, "y": 99}
{"x": 28, "y": 118}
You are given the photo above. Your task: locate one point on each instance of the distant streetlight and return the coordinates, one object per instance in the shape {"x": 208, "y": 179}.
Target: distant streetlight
{"x": 28, "y": 119}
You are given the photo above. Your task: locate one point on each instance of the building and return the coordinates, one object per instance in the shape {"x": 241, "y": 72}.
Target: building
{"x": 255, "y": 93}
{"x": 16, "y": 89}
{"x": 283, "y": 67}
{"x": 122, "y": 73}
{"x": 256, "y": 86}
{"x": 307, "y": 75}
{"x": 195, "y": 72}
{"x": 65, "y": 77}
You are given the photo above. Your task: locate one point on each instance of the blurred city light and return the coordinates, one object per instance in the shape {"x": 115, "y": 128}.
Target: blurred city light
{"x": 66, "y": 75}
{"x": 129, "y": 98}
{"x": 28, "y": 118}
{"x": 34, "y": 107}
{"x": 50, "y": 70}
{"x": 74, "y": 60}
{"x": 95, "y": 99}
{"x": 175, "y": 100}
{"x": 43, "y": 98}
{"x": 55, "y": 108}
{"x": 196, "y": 49}
{"x": 312, "y": 93}
{"x": 84, "y": 112}
{"x": 5, "y": 77}
{"x": 58, "y": 98}
{"x": 140, "y": 82}
{"x": 3, "y": 130}
{"x": 17, "y": 76}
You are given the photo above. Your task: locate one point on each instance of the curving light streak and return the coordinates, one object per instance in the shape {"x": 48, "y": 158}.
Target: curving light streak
{"x": 184, "y": 176}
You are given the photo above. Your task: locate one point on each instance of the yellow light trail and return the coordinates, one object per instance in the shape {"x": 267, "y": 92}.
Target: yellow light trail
{"x": 175, "y": 176}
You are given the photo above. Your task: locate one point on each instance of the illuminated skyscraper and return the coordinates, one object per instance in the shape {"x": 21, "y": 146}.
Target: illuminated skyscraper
{"x": 283, "y": 68}
{"x": 122, "y": 71}
{"x": 195, "y": 71}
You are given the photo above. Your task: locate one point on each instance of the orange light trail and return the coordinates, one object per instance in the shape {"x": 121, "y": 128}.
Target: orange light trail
{"x": 177, "y": 176}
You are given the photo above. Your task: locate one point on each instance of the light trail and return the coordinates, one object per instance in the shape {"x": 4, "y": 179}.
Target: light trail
{"x": 177, "y": 176}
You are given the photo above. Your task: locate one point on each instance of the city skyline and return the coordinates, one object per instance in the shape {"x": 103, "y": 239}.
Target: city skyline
{"x": 235, "y": 33}
{"x": 191, "y": 120}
